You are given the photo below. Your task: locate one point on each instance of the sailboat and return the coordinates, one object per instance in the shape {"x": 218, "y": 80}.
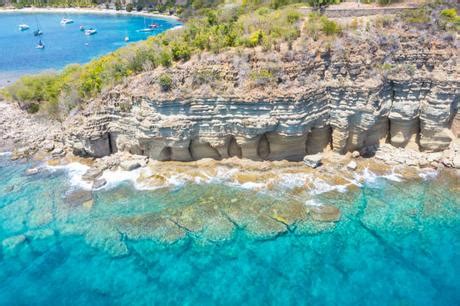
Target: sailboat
{"x": 40, "y": 45}
{"x": 146, "y": 29}
{"x": 90, "y": 31}
{"x": 65, "y": 21}
{"x": 37, "y": 32}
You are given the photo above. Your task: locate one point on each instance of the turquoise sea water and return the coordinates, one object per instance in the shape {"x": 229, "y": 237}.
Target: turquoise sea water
{"x": 66, "y": 44}
{"x": 397, "y": 243}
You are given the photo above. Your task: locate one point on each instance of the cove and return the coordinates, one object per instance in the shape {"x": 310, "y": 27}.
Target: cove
{"x": 66, "y": 44}
{"x": 395, "y": 244}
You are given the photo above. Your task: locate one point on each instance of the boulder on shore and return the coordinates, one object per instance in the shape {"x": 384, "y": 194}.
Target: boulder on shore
{"x": 100, "y": 182}
{"x": 352, "y": 165}
{"x": 313, "y": 160}
{"x": 92, "y": 174}
{"x": 129, "y": 165}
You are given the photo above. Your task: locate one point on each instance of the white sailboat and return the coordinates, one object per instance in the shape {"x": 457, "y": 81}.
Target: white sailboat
{"x": 146, "y": 29}
{"x": 90, "y": 31}
{"x": 38, "y": 32}
{"x": 65, "y": 21}
{"x": 23, "y": 27}
{"x": 40, "y": 45}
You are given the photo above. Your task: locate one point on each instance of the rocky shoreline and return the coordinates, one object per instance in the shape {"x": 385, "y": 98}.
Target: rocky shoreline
{"x": 30, "y": 136}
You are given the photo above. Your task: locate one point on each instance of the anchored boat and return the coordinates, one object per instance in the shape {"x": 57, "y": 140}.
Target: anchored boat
{"x": 23, "y": 27}
{"x": 90, "y": 31}
{"x": 37, "y": 32}
{"x": 40, "y": 45}
{"x": 66, "y": 21}
{"x": 146, "y": 28}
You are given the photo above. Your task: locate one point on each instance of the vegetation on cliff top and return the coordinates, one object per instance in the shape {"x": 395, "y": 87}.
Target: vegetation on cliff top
{"x": 250, "y": 25}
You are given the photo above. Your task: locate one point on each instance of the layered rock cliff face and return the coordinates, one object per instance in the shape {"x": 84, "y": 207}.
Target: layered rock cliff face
{"x": 399, "y": 87}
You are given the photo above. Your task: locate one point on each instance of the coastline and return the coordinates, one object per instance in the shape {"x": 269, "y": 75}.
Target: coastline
{"x": 23, "y": 136}
{"x": 86, "y": 11}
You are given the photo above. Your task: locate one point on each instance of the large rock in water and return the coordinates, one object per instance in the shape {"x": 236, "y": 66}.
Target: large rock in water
{"x": 312, "y": 161}
{"x": 92, "y": 174}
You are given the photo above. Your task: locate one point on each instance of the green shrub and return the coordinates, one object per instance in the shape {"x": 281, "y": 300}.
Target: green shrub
{"x": 316, "y": 24}
{"x": 319, "y": 3}
{"x": 330, "y": 27}
{"x": 180, "y": 51}
{"x": 165, "y": 59}
{"x": 118, "y": 5}
{"x": 129, "y": 7}
{"x": 450, "y": 14}
{"x": 261, "y": 77}
{"x": 165, "y": 82}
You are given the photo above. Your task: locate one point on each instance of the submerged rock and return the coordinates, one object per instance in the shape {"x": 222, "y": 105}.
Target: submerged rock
{"x": 10, "y": 244}
{"x": 325, "y": 213}
{"x": 313, "y": 160}
{"x": 78, "y": 196}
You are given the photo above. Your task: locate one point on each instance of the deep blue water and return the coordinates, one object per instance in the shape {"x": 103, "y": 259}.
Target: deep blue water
{"x": 397, "y": 243}
{"x": 65, "y": 44}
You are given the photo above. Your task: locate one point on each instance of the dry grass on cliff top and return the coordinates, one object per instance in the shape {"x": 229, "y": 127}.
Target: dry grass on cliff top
{"x": 247, "y": 46}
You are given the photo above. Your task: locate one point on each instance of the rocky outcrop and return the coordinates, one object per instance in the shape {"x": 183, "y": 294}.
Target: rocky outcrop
{"x": 344, "y": 98}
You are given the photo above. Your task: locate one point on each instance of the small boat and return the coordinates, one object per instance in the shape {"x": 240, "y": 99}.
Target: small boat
{"x": 126, "y": 38}
{"x": 82, "y": 28}
{"x": 66, "y": 21}
{"x": 23, "y": 27}
{"x": 153, "y": 26}
{"x": 40, "y": 45}
{"x": 146, "y": 28}
{"x": 38, "y": 32}
{"x": 90, "y": 31}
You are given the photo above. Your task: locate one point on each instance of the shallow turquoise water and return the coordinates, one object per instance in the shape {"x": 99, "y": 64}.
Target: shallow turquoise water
{"x": 397, "y": 244}
{"x": 66, "y": 44}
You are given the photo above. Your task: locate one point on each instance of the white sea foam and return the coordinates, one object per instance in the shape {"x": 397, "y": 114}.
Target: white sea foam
{"x": 5, "y": 153}
{"x": 321, "y": 186}
{"x": 393, "y": 176}
{"x": 313, "y": 202}
{"x": 75, "y": 172}
{"x": 114, "y": 178}
{"x": 428, "y": 174}
{"x": 294, "y": 180}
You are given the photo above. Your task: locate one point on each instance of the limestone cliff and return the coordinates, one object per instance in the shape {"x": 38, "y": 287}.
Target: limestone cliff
{"x": 400, "y": 87}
